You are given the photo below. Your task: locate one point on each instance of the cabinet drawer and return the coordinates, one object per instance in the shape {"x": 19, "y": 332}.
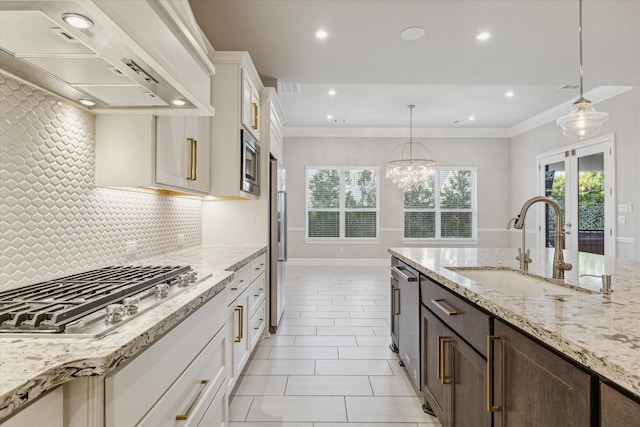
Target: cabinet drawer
{"x": 192, "y": 393}
{"x": 466, "y": 320}
{"x": 257, "y": 325}
{"x": 256, "y": 293}
{"x": 241, "y": 281}
{"x": 216, "y": 415}
{"x": 258, "y": 266}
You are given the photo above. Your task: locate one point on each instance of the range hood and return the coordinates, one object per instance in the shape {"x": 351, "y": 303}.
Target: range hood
{"x": 139, "y": 54}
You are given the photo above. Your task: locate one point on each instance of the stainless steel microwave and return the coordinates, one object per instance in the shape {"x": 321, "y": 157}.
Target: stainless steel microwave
{"x": 250, "y": 167}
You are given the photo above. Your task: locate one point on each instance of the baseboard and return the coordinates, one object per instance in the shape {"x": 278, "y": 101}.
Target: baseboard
{"x": 364, "y": 262}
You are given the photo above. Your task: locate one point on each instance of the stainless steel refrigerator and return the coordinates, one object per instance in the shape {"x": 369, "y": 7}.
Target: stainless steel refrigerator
{"x": 277, "y": 242}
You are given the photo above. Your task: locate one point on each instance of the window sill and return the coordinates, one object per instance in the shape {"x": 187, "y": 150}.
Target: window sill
{"x": 342, "y": 241}
{"x": 423, "y": 242}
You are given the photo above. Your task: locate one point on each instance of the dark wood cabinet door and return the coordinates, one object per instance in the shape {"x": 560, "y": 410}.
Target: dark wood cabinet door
{"x": 616, "y": 409}
{"x": 395, "y": 314}
{"x": 433, "y": 331}
{"x": 534, "y": 387}
{"x": 468, "y": 407}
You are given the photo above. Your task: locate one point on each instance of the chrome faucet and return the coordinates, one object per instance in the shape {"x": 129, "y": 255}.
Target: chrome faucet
{"x": 559, "y": 266}
{"x": 523, "y": 253}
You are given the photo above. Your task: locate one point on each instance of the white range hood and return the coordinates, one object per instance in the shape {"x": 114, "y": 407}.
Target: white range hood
{"x": 140, "y": 54}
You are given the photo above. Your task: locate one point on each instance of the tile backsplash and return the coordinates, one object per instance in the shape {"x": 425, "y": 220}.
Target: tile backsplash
{"x": 53, "y": 220}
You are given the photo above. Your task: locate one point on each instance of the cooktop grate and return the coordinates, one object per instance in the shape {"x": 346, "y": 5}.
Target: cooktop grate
{"x": 50, "y": 306}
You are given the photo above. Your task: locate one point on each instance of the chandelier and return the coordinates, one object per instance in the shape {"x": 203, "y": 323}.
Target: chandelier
{"x": 409, "y": 173}
{"x": 583, "y": 121}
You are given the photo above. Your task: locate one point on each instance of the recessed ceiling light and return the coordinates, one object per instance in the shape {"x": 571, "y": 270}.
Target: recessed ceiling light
{"x": 178, "y": 102}
{"x": 329, "y": 117}
{"x": 509, "y": 93}
{"x": 485, "y": 35}
{"x": 471, "y": 118}
{"x": 413, "y": 33}
{"x": 87, "y": 102}
{"x": 321, "y": 34}
{"x": 332, "y": 92}
{"x": 77, "y": 20}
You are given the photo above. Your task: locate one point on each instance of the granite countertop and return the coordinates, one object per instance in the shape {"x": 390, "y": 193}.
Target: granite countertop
{"x": 30, "y": 366}
{"x": 601, "y": 332}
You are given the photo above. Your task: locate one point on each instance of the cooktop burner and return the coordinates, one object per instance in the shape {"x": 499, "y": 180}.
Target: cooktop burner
{"x": 74, "y": 304}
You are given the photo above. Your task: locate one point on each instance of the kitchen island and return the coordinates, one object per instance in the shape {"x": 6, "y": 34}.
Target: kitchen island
{"x": 599, "y": 332}
{"x": 32, "y": 365}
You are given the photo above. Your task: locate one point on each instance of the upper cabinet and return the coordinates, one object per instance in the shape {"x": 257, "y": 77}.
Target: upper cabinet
{"x": 144, "y": 151}
{"x": 236, "y": 128}
{"x": 274, "y": 122}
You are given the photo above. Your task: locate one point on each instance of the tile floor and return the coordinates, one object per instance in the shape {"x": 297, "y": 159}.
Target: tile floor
{"x": 330, "y": 364}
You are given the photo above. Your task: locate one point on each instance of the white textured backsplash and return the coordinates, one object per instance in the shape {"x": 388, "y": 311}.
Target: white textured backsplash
{"x": 53, "y": 220}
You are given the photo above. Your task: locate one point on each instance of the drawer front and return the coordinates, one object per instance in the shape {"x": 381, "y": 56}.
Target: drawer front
{"x": 258, "y": 266}
{"x": 130, "y": 394}
{"x": 256, "y": 293}
{"x": 468, "y": 321}
{"x": 241, "y": 281}
{"x": 187, "y": 400}
{"x": 216, "y": 415}
{"x": 257, "y": 325}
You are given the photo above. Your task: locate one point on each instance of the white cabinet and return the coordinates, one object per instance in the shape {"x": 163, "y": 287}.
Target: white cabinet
{"x": 240, "y": 341}
{"x": 142, "y": 151}
{"x": 236, "y": 94}
{"x": 45, "y": 411}
{"x": 182, "y": 152}
{"x": 274, "y": 122}
{"x": 179, "y": 380}
{"x": 250, "y": 105}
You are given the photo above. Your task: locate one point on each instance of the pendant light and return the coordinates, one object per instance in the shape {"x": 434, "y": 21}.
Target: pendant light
{"x": 409, "y": 173}
{"x": 583, "y": 121}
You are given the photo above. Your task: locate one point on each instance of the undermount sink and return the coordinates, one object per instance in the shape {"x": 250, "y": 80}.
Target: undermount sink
{"x": 516, "y": 282}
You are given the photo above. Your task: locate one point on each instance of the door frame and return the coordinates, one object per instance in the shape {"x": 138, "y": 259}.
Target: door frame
{"x": 607, "y": 145}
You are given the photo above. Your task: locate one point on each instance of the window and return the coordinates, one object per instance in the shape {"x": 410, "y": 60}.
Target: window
{"x": 342, "y": 203}
{"x": 445, "y": 208}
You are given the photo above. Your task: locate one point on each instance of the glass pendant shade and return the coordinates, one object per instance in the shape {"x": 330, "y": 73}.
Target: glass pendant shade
{"x": 409, "y": 173}
{"x": 583, "y": 121}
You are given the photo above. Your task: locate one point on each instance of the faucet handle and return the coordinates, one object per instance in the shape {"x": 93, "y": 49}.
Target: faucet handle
{"x": 527, "y": 256}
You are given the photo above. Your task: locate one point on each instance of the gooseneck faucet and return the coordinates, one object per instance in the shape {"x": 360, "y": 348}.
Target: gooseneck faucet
{"x": 559, "y": 266}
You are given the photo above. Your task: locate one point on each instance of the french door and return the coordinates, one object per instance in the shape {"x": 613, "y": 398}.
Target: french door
{"x": 580, "y": 179}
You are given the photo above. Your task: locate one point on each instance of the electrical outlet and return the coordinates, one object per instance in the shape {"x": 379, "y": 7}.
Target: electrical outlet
{"x": 623, "y": 208}
{"x": 341, "y": 250}
{"x": 622, "y": 219}
{"x": 131, "y": 248}
{"x": 180, "y": 239}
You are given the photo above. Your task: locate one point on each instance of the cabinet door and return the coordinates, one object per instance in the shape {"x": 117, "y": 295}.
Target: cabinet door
{"x": 198, "y": 130}
{"x": 436, "y": 392}
{"x": 45, "y": 411}
{"x": 535, "y": 387}
{"x": 240, "y": 336}
{"x": 250, "y": 105}
{"x": 616, "y": 409}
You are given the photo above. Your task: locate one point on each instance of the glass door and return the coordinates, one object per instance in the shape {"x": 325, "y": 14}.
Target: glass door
{"x": 581, "y": 181}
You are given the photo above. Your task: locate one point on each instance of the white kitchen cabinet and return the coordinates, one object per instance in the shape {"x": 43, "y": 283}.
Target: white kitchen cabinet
{"x": 274, "y": 122}
{"x": 144, "y": 151}
{"x": 176, "y": 380}
{"x": 45, "y": 411}
{"x": 240, "y": 340}
{"x": 236, "y": 93}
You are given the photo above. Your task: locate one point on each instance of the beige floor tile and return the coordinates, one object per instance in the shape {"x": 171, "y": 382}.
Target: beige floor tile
{"x": 276, "y": 340}
{"x": 310, "y": 353}
{"x": 353, "y": 367}
{"x": 325, "y": 315}
{"x": 343, "y": 307}
{"x": 366, "y": 425}
{"x": 373, "y": 341}
{"x": 239, "y": 407}
{"x": 325, "y": 341}
{"x": 385, "y": 409}
{"x": 393, "y": 386}
{"x": 382, "y": 353}
{"x": 345, "y": 330}
{"x": 280, "y": 367}
{"x": 382, "y": 330}
{"x": 261, "y": 352}
{"x": 308, "y": 322}
{"x": 261, "y": 385}
{"x": 296, "y": 330}
{"x": 297, "y": 408}
{"x": 370, "y": 315}
{"x": 273, "y": 424}
{"x": 361, "y": 322}
{"x": 329, "y": 386}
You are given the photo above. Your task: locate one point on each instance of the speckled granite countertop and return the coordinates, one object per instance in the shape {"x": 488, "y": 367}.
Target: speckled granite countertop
{"x": 600, "y": 332}
{"x": 30, "y": 366}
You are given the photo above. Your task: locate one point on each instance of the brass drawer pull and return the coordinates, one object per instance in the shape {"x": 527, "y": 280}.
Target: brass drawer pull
{"x": 445, "y": 310}
{"x": 490, "y": 406}
{"x": 255, "y": 115}
{"x": 240, "y": 310}
{"x": 185, "y": 416}
{"x": 442, "y": 360}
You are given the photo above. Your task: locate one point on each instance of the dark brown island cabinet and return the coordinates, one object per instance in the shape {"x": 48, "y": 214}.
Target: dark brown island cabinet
{"x": 478, "y": 370}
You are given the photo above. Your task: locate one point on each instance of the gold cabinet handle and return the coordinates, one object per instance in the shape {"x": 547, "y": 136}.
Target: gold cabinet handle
{"x": 490, "y": 405}
{"x": 254, "y": 105}
{"x": 442, "y": 360}
{"x": 393, "y": 301}
{"x": 445, "y": 310}
{"x": 240, "y": 310}
{"x": 185, "y": 416}
{"x": 193, "y": 159}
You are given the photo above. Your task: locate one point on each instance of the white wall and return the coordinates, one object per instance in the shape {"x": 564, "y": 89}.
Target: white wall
{"x": 624, "y": 122}
{"x": 490, "y": 156}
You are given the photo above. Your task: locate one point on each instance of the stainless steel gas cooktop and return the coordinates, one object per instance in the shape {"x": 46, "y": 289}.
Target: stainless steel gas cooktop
{"x": 91, "y": 303}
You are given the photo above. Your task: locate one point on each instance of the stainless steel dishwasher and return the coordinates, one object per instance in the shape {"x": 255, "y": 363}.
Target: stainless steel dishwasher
{"x": 409, "y": 318}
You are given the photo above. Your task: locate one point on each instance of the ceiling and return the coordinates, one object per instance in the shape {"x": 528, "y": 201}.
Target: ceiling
{"x": 448, "y": 74}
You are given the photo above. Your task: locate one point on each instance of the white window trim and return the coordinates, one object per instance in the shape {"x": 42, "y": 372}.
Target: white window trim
{"x": 342, "y": 209}
{"x": 438, "y": 211}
